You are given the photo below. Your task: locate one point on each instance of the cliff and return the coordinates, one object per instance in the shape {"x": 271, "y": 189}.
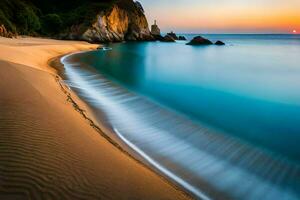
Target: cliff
{"x": 119, "y": 23}
{"x": 89, "y": 20}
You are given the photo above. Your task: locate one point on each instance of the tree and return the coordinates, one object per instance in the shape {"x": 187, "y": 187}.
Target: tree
{"x": 51, "y": 24}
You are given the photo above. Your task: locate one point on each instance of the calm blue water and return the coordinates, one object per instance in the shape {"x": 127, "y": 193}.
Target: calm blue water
{"x": 229, "y": 115}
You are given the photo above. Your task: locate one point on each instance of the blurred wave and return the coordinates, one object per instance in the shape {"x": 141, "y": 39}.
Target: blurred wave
{"x": 205, "y": 161}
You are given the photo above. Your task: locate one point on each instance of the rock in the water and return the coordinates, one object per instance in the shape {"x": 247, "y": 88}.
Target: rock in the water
{"x": 101, "y": 47}
{"x": 173, "y": 35}
{"x": 158, "y": 37}
{"x": 181, "y": 38}
{"x": 168, "y": 38}
{"x": 220, "y": 43}
{"x": 155, "y": 30}
{"x": 198, "y": 40}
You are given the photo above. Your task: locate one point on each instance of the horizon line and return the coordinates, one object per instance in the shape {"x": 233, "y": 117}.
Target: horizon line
{"x": 178, "y": 32}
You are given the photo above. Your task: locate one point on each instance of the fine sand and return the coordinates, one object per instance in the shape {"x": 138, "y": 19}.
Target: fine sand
{"x": 48, "y": 150}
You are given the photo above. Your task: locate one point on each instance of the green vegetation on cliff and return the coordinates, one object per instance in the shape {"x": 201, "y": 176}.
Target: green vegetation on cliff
{"x": 19, "y": 16}
{"x": 50, "y": 17}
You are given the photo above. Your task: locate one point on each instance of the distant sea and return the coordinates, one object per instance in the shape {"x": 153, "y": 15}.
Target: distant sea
{"x": 221, "y": 121}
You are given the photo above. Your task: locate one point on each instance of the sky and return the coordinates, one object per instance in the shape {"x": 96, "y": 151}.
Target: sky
{"x": 224, "y": 16}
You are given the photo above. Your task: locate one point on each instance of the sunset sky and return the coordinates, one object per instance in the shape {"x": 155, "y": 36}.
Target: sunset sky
{"x": 225, "y": 16}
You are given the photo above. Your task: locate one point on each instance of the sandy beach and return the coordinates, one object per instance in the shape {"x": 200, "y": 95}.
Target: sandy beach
{"x": 48, "y": 150}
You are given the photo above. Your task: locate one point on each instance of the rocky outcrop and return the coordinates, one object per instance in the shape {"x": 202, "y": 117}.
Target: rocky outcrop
{"x": 155, "y": 30}
{"x": 175, "y": 37}
{"x": 158, "y": 37}
{"x": 115, "y": 25}
{"x": 167, "y": 38}
{"x": 181, "y": 38}
{"x": 172, "y": 35}
{"x": 5, "y": 33}
{"x": 198, "y": 40}
{"x": 219, "y": 43}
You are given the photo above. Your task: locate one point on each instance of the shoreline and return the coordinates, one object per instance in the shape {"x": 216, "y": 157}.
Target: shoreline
{"x": 86, "y": 116}
{"x": 72, "y": 99}
{"x": 124, "y": 145}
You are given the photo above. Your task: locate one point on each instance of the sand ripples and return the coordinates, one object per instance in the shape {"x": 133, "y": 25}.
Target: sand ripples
{"x": 32, "y": 161}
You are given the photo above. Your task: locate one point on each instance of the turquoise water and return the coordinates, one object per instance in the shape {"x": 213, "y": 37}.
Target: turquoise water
{"x": 237, "y": 104}
{"x": 249, "y": 89}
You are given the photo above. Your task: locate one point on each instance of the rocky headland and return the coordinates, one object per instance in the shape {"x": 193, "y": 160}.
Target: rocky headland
{"x": 88, "y": 20}
{"x": 114, "y": 25}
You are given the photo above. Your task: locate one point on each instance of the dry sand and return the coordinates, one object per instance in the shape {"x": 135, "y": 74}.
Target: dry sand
{"x": 47, "y": 149}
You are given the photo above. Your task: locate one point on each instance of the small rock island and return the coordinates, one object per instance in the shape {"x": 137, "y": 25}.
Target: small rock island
{"x": 220, "y": 43}
{"x": 201, "y": 41}
{"x": 198, "y": 40}
{"x": 172, "y": 37}
{"x": 155, "y": 30}
{"x": 169, "y": 37}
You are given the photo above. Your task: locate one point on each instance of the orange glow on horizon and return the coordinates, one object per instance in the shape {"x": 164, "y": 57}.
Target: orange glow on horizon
{"x": 252, "y": 20}
{"x": 280, "y": 16}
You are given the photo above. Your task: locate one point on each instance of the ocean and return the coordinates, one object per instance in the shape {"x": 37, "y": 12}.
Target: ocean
{"x": 221, "y": 121}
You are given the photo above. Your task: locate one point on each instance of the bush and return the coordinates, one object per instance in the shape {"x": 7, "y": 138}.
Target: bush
{"x": 26, "y": 20}
{"x": 51, "y": 24}
{"x": 6, "y": 22}
{"x": 19, "y": 17}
